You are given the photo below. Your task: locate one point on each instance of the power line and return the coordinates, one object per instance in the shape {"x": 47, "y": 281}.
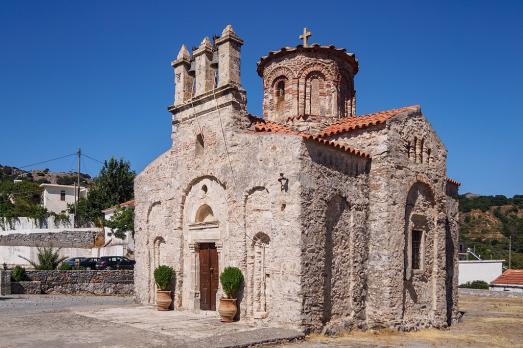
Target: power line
{"x": 92, "y": 158}
{"x": 50, "y": 160}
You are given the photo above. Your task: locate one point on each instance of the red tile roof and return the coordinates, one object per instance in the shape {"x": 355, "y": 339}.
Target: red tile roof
{"x": 274, "y": 127}
{"x": 510, "y": 277}
{"x": 452, "y": 181}
{"x": 129, "y": 203}
{"x": 351, "y": 123}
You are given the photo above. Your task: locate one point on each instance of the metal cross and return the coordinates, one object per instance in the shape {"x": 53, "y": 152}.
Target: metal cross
{"x": 304, "y": 36}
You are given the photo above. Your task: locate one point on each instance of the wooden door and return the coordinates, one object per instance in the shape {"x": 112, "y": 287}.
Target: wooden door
{"x": 208, "y": 276}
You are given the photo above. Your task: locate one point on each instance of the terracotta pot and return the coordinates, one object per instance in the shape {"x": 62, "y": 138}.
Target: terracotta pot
{"x": 227, "y": 309}
{"x": 163, "y": 300}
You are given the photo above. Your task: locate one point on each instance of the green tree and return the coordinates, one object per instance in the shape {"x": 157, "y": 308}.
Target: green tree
{"x": 121, "y": 222}
{"x": 114, "y": 185}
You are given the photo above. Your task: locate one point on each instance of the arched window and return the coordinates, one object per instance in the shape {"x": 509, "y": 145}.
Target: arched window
{"x": 313, "y": 89}
{"x": 280, "y": 91}
{"x": 280, "y": 86}
{"x": 204, "y": 214}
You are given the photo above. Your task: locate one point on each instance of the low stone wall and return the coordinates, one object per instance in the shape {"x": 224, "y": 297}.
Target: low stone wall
{"x": 117, "y": 282}
{"x": 26, "y": 287}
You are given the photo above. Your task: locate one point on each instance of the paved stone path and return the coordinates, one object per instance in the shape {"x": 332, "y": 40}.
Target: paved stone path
{"x": 81, "y": 321}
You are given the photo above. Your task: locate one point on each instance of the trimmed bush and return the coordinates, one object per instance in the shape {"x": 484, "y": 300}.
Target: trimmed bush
{"x": 18, "y": 274}
{"x": 164, "y": 276}
{"x": 231, "y": 280}
{"x": 476, "y": 284}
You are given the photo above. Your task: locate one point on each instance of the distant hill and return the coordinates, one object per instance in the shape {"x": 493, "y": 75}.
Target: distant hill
{"x": 43, "y": 176}
{"x": 487, "y": 222}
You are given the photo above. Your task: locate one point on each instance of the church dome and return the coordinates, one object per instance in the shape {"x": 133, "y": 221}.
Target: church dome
{"x": 307, "y": 81}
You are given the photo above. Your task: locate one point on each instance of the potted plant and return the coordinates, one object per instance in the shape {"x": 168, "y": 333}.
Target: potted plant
{"x": 231, "y": 280}
{"x": 164, "y": 276}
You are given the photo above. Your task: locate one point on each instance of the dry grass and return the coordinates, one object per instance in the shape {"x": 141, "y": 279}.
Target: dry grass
{"x": 488, "y": 322}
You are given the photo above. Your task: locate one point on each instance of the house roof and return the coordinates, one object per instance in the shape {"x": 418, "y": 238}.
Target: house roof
{"x": 510, "y": 277}
{"x": 274, "y": 127}
{"x": 82, "y": 188}
{"x": 351, "y": 123}
{"x": 452, "y": 181}
{"x": 129, "y": 203}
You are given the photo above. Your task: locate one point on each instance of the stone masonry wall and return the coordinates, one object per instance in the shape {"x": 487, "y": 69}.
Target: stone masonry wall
{"x": 114, "y": 282}
{"x": 408, "y": 167}
{"x": 234, "y": 172}
{"x": 79, "y": 238}
{"x": 334, "y": 238}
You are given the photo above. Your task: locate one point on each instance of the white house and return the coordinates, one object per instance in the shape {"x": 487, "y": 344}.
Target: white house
{"x": 116, "y": 246}
{"x": 485, "y": 270}
{"x": 55, "y": 198}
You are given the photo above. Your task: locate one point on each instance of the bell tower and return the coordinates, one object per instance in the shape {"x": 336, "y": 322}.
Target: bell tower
{"x": 207, "y": 82}
{"x": 308, "y": 81}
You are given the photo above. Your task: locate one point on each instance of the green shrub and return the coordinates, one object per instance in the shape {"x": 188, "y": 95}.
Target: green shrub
{"x": 476, "y": 284}
{"x": 18, "y": 274}
{"x": 65, "y": 267}
{"x": 48, "y": 259}
{"x": 231, "y": 280}
{"x": 164, "y": 276}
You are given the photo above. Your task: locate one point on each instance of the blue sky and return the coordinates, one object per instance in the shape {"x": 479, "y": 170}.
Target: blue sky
{"x": 97, "y": 75}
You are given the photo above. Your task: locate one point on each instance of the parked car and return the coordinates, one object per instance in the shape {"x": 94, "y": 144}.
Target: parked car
{"x": 115, "y": 262}
{"x": 86, "y": 262}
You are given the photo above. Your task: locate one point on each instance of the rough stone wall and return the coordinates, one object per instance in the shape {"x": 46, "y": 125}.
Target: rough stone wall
{"x": 400, "y": 300}
{"x": 234, "y": 164}
{"x": 84, "y": 238}
{"x": 316, "y": 83}
{"x": 452, "y": 257}
{"x": 334, "y": 238}
{"x": 116, "y": 282}
{"x": 5, "y": 283}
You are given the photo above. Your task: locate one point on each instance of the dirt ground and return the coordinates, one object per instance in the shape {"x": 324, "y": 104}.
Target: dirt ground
{"x": 487, "y": 322}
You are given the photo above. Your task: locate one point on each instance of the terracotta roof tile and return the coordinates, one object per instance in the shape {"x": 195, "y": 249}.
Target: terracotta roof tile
{"x": 273, "y": 127}
{"x": 510, "y": 277}
{"x": 348, "y": 124}
{"x": 452, "y": 181}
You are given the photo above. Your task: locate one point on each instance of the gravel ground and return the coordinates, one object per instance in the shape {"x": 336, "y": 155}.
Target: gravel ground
{"x": 21, "y": 304}
{"x": 41, "y": 321}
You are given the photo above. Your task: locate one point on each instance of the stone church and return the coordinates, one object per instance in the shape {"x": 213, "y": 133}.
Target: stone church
{"x": 337, "y": 220}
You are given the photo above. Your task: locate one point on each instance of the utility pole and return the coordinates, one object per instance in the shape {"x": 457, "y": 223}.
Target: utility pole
{"x": 77, "y": 190}
{"x": 510, "y": 252}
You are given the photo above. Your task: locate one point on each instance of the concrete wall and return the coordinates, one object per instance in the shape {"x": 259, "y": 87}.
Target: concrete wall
{"x": 25, "y": 224}
{"x": 78, "y": 242}
{"x": 485, "y": 270}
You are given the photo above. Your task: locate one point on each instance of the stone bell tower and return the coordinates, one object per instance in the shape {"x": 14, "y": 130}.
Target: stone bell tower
{"x": 209, "y": 79}
{"x": 308, "y": 81}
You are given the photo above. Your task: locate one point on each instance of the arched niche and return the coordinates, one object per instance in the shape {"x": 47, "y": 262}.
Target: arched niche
{"x": 204, "y": 214}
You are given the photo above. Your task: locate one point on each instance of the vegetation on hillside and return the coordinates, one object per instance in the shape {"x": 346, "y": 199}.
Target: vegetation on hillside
{"x": 112, "y": 186}
{"x": 488, "y": 223}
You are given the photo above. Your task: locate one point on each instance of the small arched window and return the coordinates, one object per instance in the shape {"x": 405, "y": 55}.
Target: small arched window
{"x": 280, "y": 91}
